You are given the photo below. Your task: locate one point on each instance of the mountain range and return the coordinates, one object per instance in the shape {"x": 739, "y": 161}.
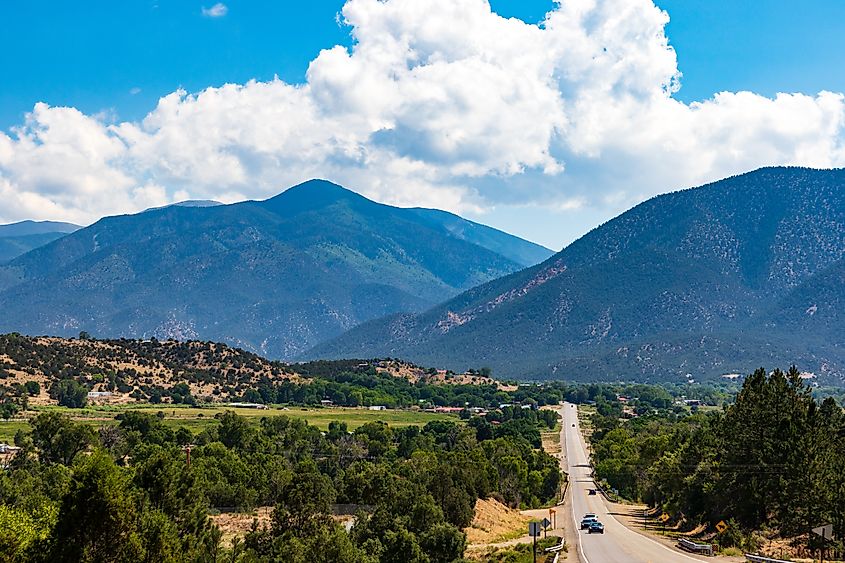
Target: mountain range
{"x": 19, "y": 238}
{"x": 741, "y": 273}
{"x": 275, "y": 277}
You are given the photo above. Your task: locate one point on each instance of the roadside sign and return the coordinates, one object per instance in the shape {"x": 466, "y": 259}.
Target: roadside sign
{"x": 534, "y": 529}
{"x": 721, "y": 526}
{"x": 546, "y": 523}
{"x": 825, "y": 532}
{"x": 663, "y": 517}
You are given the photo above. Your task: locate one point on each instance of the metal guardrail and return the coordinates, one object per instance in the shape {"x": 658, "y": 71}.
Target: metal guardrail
{"x": 761, "y": 559}
{"x": 691, "y": 546}
{"x": 556, "y": 548}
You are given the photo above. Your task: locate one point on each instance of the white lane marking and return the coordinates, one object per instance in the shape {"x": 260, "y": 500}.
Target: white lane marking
{"x": 655, "y": 542}
{"x": 572, "y": 496}
{"x": 575, "y": 525}
{"x": 607, "y": 509}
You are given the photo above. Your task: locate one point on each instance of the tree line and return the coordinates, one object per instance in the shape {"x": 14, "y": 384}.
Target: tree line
{"x": 773, "y": 461}
{"x": 129, "y": 492}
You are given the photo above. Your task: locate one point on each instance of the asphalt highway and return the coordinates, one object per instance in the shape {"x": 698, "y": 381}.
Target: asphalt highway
{"x": 618, "y": 544}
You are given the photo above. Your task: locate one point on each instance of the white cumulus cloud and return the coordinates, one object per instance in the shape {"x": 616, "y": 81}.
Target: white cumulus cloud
{"x": 217, "y": 11}
{"x": 439, "y": 103}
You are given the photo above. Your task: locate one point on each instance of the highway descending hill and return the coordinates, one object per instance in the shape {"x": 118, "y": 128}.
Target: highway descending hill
{"x": 618, "y": 544}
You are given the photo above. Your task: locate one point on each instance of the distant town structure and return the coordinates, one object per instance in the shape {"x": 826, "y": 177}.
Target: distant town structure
{"x": 248, "y": 406}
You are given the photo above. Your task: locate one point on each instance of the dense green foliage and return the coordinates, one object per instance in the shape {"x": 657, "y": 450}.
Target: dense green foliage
{"x": 69, "y": 393}
{"x": 693, "y": 282}
{"x": 275, "y": 276}
{"x": 128, "y": 493}
{"x": 366, "y": 386}
{"x": 774, "y": 459}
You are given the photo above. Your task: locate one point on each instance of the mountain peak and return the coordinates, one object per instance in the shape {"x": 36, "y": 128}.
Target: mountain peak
{"x": 310, "y": 195}
{"x": 318, "y": 189}
{"x": 29, "y": 227}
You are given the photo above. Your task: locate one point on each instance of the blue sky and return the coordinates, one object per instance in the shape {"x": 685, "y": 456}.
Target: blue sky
{"x": 113, "y": 61}
{"x": 91, "y": 56}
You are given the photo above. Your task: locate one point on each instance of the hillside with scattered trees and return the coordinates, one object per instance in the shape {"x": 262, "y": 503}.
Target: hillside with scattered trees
{"x": 699, "y": 283}
{"x": 771, "y": 464}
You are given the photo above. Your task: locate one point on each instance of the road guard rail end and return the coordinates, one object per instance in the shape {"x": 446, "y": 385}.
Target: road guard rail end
{"x": 693, "y": 547}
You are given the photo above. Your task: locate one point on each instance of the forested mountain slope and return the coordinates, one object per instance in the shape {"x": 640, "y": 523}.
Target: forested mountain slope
{"x": 275, "y": 276}
{"x": 707, "y": 281}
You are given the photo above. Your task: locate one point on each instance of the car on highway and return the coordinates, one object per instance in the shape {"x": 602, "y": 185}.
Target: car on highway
{"x": 590, "y": 515}
{"x": 591, "y": 491}
{"x": 587, "y": 522}
{"x": 596, "y": 528}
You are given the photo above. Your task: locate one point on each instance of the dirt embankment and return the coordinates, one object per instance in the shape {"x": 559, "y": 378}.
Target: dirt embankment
{"x": 494, "y": 522}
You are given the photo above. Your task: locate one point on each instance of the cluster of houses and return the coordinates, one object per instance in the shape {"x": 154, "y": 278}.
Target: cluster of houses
{"x": 479, "y": 411}
{"x": 7, "y": 452}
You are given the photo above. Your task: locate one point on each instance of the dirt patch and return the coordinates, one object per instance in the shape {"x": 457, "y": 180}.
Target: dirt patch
{"x": 494, "y": 522}
{"x": 551, "y": 442}
{"x": 785, "y": 548}
{"x": 237, "y": 524}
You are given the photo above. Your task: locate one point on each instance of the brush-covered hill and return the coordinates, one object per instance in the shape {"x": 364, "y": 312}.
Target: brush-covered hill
{"x": 724, "y": 278}
{"x": 19, "y": 238}
{"x": 136, "y": 370}
{"x": 275, "y": 277}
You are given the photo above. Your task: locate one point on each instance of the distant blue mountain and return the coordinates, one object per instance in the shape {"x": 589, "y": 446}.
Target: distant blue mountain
{"x": 25, "y": 228}
{"x": 20, "y": 238}
{"x": 275, "y": 276}
{"x": 509, "y": 246}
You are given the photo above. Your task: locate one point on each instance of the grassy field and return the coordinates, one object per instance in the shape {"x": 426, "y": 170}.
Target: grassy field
{"x": 198, "y": 418}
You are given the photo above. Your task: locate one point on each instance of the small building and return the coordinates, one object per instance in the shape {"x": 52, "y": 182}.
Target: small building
{"x": 326, "y": 402}
{"x": 448, "y": 410}
{"x": 248, "y": 406}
